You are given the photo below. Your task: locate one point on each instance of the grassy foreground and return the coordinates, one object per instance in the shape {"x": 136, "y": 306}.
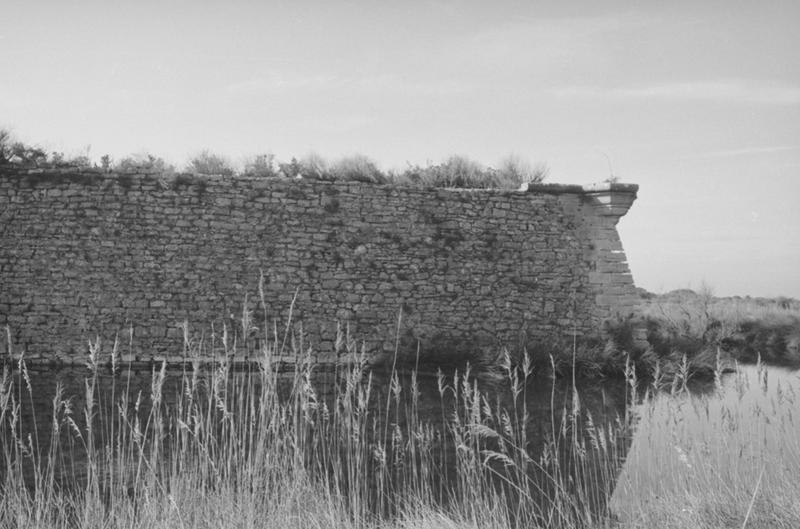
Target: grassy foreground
{"x": 261, "y": 450}
{"x": 258, "y": 450}
{"x": 729, "y": 458}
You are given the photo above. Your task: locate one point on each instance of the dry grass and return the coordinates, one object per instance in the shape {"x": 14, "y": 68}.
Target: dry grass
{"x": 255, "y": 450}
{"x": 698, "y": 325}
{"x": 258, "y": 449}
{"x": 716, "y": 462}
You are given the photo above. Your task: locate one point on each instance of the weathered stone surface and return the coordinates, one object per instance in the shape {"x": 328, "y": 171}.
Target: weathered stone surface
{"x": 88, "y": 254}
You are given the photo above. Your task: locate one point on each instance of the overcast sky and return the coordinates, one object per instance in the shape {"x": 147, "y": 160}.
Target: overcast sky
{"x": 697, "y": 102}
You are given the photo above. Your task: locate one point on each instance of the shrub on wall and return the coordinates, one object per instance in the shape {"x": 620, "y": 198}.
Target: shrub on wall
{"x": 357, "y": 168}
{"x": 457, "y": 171}
{"x": 209, "y": 163}
{"x": 354, "y": 168}
{"x": 461, "y": 172}
{"x": 312, "y": 165}
{"x": 144, "y": 162}
{"x": 515, "y": 171}
{"x": 5, "y": 146}
{"x": 292, "y": 169}
{"x": 262, "y": 165}
{"x": 17, "y": 152}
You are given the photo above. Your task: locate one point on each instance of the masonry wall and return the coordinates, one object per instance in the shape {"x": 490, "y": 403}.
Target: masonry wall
{"x": 89, "y": 254}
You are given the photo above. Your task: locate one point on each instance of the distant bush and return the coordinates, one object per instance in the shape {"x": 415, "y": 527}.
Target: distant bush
{"x": 209, "y": 163}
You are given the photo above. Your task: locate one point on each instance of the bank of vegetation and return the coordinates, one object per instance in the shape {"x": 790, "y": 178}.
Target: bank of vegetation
{"x": 668, "y": 338}
{"x": 457, "y": 171}
{"x": 701, "y": 333}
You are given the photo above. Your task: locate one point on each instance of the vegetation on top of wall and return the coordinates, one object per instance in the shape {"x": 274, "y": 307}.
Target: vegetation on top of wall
{"x": 262, "y": 165}
{"x": 514, "y": 168}
{"x": 210, "y": 163}
{"x": 357, "y": 168}
{"x": 462, "y": 172}
{"x": 457, "y": 171}
{"x": 16, "y": 152}
{"x": 142, "y": 162}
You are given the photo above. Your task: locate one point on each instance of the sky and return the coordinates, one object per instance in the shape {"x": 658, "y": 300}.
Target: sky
{"x": 697, "y": 102}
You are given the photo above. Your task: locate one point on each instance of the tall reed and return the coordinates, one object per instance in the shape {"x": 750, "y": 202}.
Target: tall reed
{"x": 255, "y": 448}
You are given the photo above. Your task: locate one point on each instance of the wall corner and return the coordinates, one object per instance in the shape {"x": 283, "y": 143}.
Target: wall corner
{"x": 610, "y": 277}
{"x": 610, "y": 199}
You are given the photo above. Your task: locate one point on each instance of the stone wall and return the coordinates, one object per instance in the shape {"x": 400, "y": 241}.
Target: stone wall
{"x": 85, "y": 254}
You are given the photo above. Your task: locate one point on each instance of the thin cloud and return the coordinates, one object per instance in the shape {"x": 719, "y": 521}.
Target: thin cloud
{"x": 722, "y": 91}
